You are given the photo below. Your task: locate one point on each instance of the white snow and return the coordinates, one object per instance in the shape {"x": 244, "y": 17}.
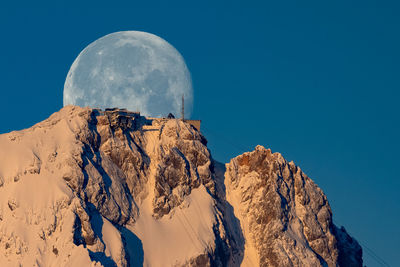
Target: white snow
{"x": 112, "y": 240}
{"x": 182, "y": 235}
{"x": 34, "y": 199}
{"x": 234, "y": 197}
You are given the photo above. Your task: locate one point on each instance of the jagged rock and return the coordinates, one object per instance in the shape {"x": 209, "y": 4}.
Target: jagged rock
{"x": 12, "y": 204}
{"x": 286, "y": 219}
{"x": 350, "y": 252}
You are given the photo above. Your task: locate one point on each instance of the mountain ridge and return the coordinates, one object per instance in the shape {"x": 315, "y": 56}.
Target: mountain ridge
{"x": 92, "y": 188}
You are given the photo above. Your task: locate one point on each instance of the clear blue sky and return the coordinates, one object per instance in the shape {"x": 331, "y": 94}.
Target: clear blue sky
{"x": 317, "y": 81}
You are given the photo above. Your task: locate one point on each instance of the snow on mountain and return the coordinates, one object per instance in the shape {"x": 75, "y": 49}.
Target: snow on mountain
{"x": 90, "y": 188}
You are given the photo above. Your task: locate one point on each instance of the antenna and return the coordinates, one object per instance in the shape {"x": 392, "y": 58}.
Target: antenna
{"x": 183, "y": 107}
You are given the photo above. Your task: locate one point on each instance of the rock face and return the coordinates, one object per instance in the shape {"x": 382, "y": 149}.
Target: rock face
{"x": 87, "y": 187}
{"x": 286, "y": 219}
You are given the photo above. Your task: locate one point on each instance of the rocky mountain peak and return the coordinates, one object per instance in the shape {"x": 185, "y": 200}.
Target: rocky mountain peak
{"x": 114, "y": 188}
{"x": 286, "y": 216}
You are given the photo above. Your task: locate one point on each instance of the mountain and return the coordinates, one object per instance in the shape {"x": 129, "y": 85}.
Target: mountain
{"x": 88, "y": 188}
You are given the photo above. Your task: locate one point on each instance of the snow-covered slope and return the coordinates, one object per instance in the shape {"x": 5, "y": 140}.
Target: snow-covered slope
{"x": 91, "y": 188}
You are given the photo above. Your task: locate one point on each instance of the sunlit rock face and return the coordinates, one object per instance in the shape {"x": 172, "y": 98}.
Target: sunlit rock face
{"x": 285, "y": 217}
{"x": 113, "y": 188}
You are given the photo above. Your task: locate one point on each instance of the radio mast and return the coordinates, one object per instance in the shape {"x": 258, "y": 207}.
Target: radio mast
{"x": 183, "y": 108}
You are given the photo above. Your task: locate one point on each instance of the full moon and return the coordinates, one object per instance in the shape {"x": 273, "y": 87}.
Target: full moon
{"x": 135, "y": 70}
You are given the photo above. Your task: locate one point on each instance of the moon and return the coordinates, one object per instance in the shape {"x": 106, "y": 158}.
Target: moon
{"x": 135, "y": 70}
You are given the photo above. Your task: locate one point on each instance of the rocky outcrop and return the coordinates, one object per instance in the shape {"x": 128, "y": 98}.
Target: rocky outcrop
{"x": 285, "y": 217}
{"x": 183, "y": 165}
{"x": 113, "y": 188}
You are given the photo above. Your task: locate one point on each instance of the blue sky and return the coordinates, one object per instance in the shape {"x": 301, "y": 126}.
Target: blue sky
{"x": 316, "y": 81}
